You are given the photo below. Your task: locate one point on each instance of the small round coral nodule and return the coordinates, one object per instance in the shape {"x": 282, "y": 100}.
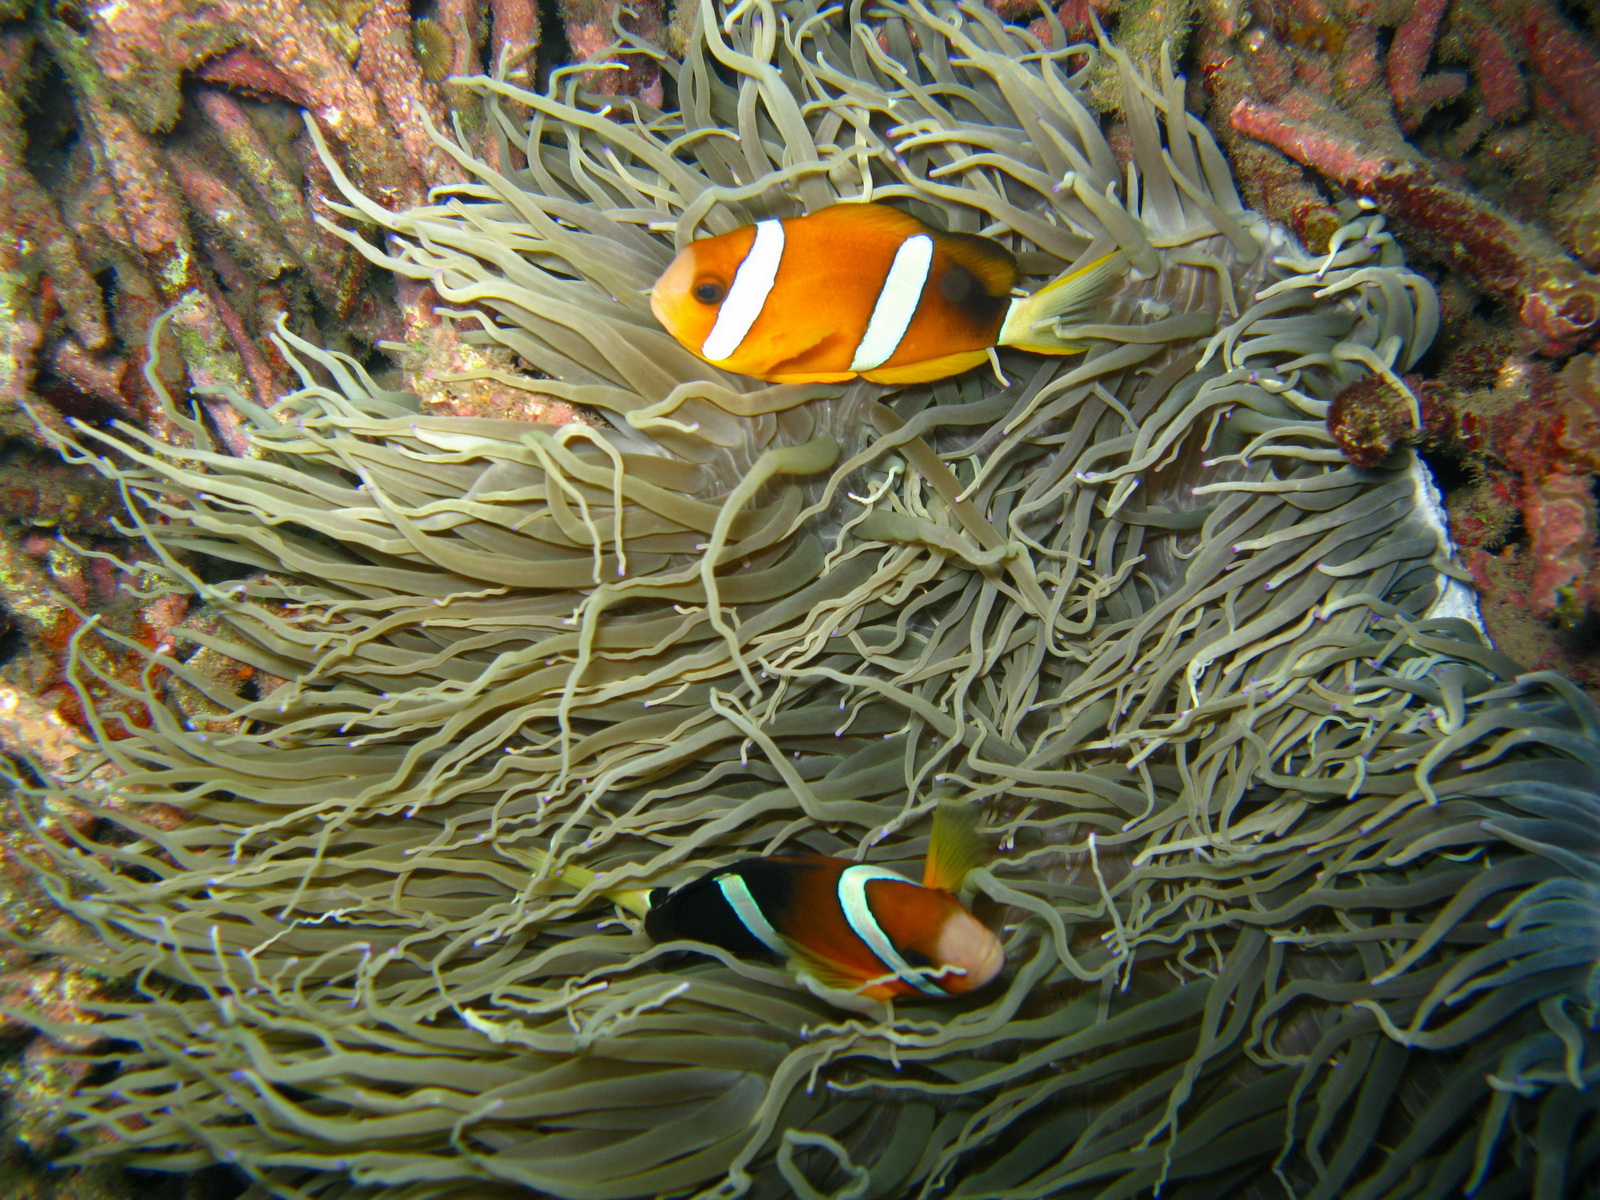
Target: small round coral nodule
{"x": 1286, "y": 853}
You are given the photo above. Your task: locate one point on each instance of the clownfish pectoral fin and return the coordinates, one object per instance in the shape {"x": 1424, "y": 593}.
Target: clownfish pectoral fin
{"x": 1074, "y": 299}
{"x": 806, "y": 962}
{"x": 955, "y": 848}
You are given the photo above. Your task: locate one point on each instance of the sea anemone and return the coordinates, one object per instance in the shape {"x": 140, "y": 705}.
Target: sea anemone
{"x": 1286, "y": 858}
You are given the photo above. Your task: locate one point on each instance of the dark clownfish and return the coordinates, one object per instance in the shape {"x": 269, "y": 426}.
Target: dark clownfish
{"x": 851, "y": 926}
{"x": 863, "y": 289}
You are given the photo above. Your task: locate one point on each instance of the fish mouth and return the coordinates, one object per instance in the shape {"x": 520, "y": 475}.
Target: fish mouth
{"x": 994, "y": 958}
{"x": 669, "y": 290}
{"x": 968, "y": 944}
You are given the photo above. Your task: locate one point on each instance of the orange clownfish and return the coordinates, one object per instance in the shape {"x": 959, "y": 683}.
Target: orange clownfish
{"x": 863, "y": 289}
{"x": 852, "y": 926}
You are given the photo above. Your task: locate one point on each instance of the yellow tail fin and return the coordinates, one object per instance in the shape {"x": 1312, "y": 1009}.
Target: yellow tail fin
{"x": 1074, "y": 299}
{"x": 635, "y": 900}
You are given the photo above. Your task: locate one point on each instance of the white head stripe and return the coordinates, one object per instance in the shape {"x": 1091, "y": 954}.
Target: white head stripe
{"x": 897, "y": 303}
{"x": 751, "y": 283}
{"x": 853, "y": 899}
{"x": 737, "y": 893}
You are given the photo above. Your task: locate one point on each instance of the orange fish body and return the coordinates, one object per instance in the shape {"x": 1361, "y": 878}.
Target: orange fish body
{"x": 853, "y": 926}
{"x": 859, "y": 289}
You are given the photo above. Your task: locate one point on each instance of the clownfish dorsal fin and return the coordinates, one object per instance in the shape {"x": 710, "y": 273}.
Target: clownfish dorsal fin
{"x": 993, "y": 265}
{"x": 955, "y": 848}
{"x": 869, "y": 214}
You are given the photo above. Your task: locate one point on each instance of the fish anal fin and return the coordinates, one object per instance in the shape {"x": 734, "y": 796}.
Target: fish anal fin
{"x": 929, "y": 369}
{"x": 992, "y": 263}
{"x": 812, "y": 377}
{"x": 955, "y": 849}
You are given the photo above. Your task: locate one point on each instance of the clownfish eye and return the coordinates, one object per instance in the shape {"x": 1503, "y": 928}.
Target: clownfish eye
{"x": 917, "y": 959}
{"x": 709, "y": 291}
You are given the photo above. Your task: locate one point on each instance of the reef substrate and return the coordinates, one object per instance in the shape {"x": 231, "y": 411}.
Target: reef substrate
{"x": 1288, "y": 859}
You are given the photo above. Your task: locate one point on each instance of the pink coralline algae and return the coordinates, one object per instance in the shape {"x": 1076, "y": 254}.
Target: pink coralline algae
{"x": 185, "y": 181}
{"x": 1414, "y": 92}
{"x": 1475, "y": 129}
{"x": 154, "y": 158}
{"x": 594, "y": 27}
{"x": 1359, "y": 145}
{"x": 1536, "y": 438}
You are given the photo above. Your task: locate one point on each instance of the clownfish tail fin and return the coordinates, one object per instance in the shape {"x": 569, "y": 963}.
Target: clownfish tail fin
{"x": 635, "y": 900}
{"x": 955, "y": 849}
{"x": 1043, "y": 321}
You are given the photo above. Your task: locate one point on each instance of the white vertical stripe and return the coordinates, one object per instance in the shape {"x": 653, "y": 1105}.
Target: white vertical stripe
{"x": 897, "y": 303}
{"x": 853, "y": 899}
{"x": 737, "y": 893}
{"x": 751, "y": 283}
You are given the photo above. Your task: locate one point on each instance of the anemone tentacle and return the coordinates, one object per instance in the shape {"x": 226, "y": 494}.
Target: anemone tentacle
{"x": 1286, "y": 853}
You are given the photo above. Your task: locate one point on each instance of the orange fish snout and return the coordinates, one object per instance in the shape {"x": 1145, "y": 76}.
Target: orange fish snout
{"x": 675, "y": 304}
{"x": 971, "y": 948}
{"x": 945, "y": 945}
